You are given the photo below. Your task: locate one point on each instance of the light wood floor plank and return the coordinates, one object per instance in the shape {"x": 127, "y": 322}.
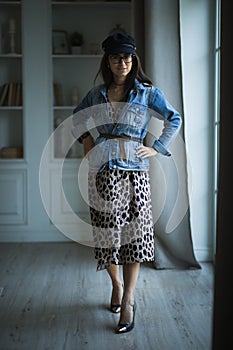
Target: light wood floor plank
{"x": 53, "y": 299}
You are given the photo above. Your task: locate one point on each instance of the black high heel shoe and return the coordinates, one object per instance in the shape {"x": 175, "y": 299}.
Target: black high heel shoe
{"x": 115, "y": 308}
{"x": 127, "y": 327}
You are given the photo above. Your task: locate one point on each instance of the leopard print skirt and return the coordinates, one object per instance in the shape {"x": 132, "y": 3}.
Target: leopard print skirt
{"x": 121, "y": 217}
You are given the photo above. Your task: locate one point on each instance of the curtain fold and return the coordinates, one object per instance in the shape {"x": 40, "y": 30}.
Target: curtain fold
{"x": 173, "y": 239}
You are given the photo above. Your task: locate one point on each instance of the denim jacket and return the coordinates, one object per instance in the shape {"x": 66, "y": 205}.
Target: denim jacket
{"x": 144, "y": 101}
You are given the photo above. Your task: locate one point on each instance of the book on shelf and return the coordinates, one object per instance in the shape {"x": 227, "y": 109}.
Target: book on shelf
{"x": 4, "y": 92}
{"x": 57, "y": 95}
{"x": 18, "y": 96}
{"x": 11, "y": 152}
{"x": 11, "y": 94}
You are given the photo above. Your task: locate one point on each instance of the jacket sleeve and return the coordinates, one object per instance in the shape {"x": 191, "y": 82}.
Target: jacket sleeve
{"x": 171, "y": 119}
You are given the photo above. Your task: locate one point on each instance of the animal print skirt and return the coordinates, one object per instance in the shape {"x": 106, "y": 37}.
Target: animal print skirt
{"x": 121, "y": 216}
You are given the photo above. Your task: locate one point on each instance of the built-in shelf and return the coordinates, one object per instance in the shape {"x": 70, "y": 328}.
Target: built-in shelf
{"x": 91, "y": 3}
{"x": 11, "y": 82}
{"x": 11, "y": 108}
{"x": 10, "y": 2}
{"x": 74, "y": 74}
{"x": 29, "y": 125}
{"x": 83, "y": 56}
{"x": 63, "y": 107}
{"x": 11, "y": 55}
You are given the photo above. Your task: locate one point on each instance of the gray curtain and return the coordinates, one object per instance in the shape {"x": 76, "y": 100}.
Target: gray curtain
{"x": 173, "y": 240}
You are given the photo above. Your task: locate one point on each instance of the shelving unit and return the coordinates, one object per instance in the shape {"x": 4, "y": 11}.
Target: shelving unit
{"x": 22, "y": 214}
{"x": 94, "y": 20}
{"x": 11, "y": 107}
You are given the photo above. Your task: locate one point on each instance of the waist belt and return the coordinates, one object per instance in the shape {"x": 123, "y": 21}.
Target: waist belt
{"x": 121, "y": 136}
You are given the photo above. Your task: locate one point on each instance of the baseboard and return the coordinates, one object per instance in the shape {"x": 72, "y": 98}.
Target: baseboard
{"x": 201, "y": 254}
{"x": 32, "y": 236}
{"x": 204, "y": 254}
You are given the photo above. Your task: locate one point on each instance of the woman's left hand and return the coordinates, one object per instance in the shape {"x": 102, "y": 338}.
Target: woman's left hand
{"x": 146, "y": 152}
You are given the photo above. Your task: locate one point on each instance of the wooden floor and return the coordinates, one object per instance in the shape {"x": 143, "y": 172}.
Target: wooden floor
{"x": 52, "y": 298}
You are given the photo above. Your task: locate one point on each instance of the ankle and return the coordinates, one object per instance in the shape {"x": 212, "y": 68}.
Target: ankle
{"x": 128, "y": 299}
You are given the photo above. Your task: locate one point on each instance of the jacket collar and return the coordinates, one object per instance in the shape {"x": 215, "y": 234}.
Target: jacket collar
{"x": 138, "y": 86}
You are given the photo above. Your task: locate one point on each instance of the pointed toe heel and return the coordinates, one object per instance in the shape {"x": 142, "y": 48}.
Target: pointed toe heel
{"x": 126, "y": 327}
{"x": 115, "y": 308}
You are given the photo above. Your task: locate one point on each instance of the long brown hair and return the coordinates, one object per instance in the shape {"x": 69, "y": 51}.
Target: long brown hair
{"x": 136, "y": 72}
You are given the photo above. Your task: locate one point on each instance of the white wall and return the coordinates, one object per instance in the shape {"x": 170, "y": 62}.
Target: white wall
{"x": 197, "y": 45}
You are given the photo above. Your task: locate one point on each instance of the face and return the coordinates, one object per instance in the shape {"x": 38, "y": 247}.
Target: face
{"x": 120, "y": 64}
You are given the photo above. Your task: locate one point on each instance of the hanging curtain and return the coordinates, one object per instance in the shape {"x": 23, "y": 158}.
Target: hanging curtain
{"x": 173, "y": 240}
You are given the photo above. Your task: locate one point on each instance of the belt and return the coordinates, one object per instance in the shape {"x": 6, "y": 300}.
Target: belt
{"x": 121, "y": 136}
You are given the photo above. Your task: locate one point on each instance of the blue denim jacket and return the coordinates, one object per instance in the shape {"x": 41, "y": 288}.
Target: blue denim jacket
{"x": 144, "y": 101}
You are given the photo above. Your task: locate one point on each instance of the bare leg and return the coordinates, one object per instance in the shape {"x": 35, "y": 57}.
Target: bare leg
{"x": 130, "y": 274}
{"x": 114, "y": 273}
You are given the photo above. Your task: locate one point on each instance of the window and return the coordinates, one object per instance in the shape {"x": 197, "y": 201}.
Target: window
{"x": 216, "y": 111}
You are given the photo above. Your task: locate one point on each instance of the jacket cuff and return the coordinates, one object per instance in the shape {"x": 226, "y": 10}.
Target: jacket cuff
{"x": 83, "y": 136}
{"x": 161, "y": 149}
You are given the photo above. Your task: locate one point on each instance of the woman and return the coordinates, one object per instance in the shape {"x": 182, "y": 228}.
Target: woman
{"x": 119, "y": 185}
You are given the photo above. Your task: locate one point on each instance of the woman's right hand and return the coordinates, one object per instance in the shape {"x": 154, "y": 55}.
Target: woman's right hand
{"x": 88, "y": 144}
